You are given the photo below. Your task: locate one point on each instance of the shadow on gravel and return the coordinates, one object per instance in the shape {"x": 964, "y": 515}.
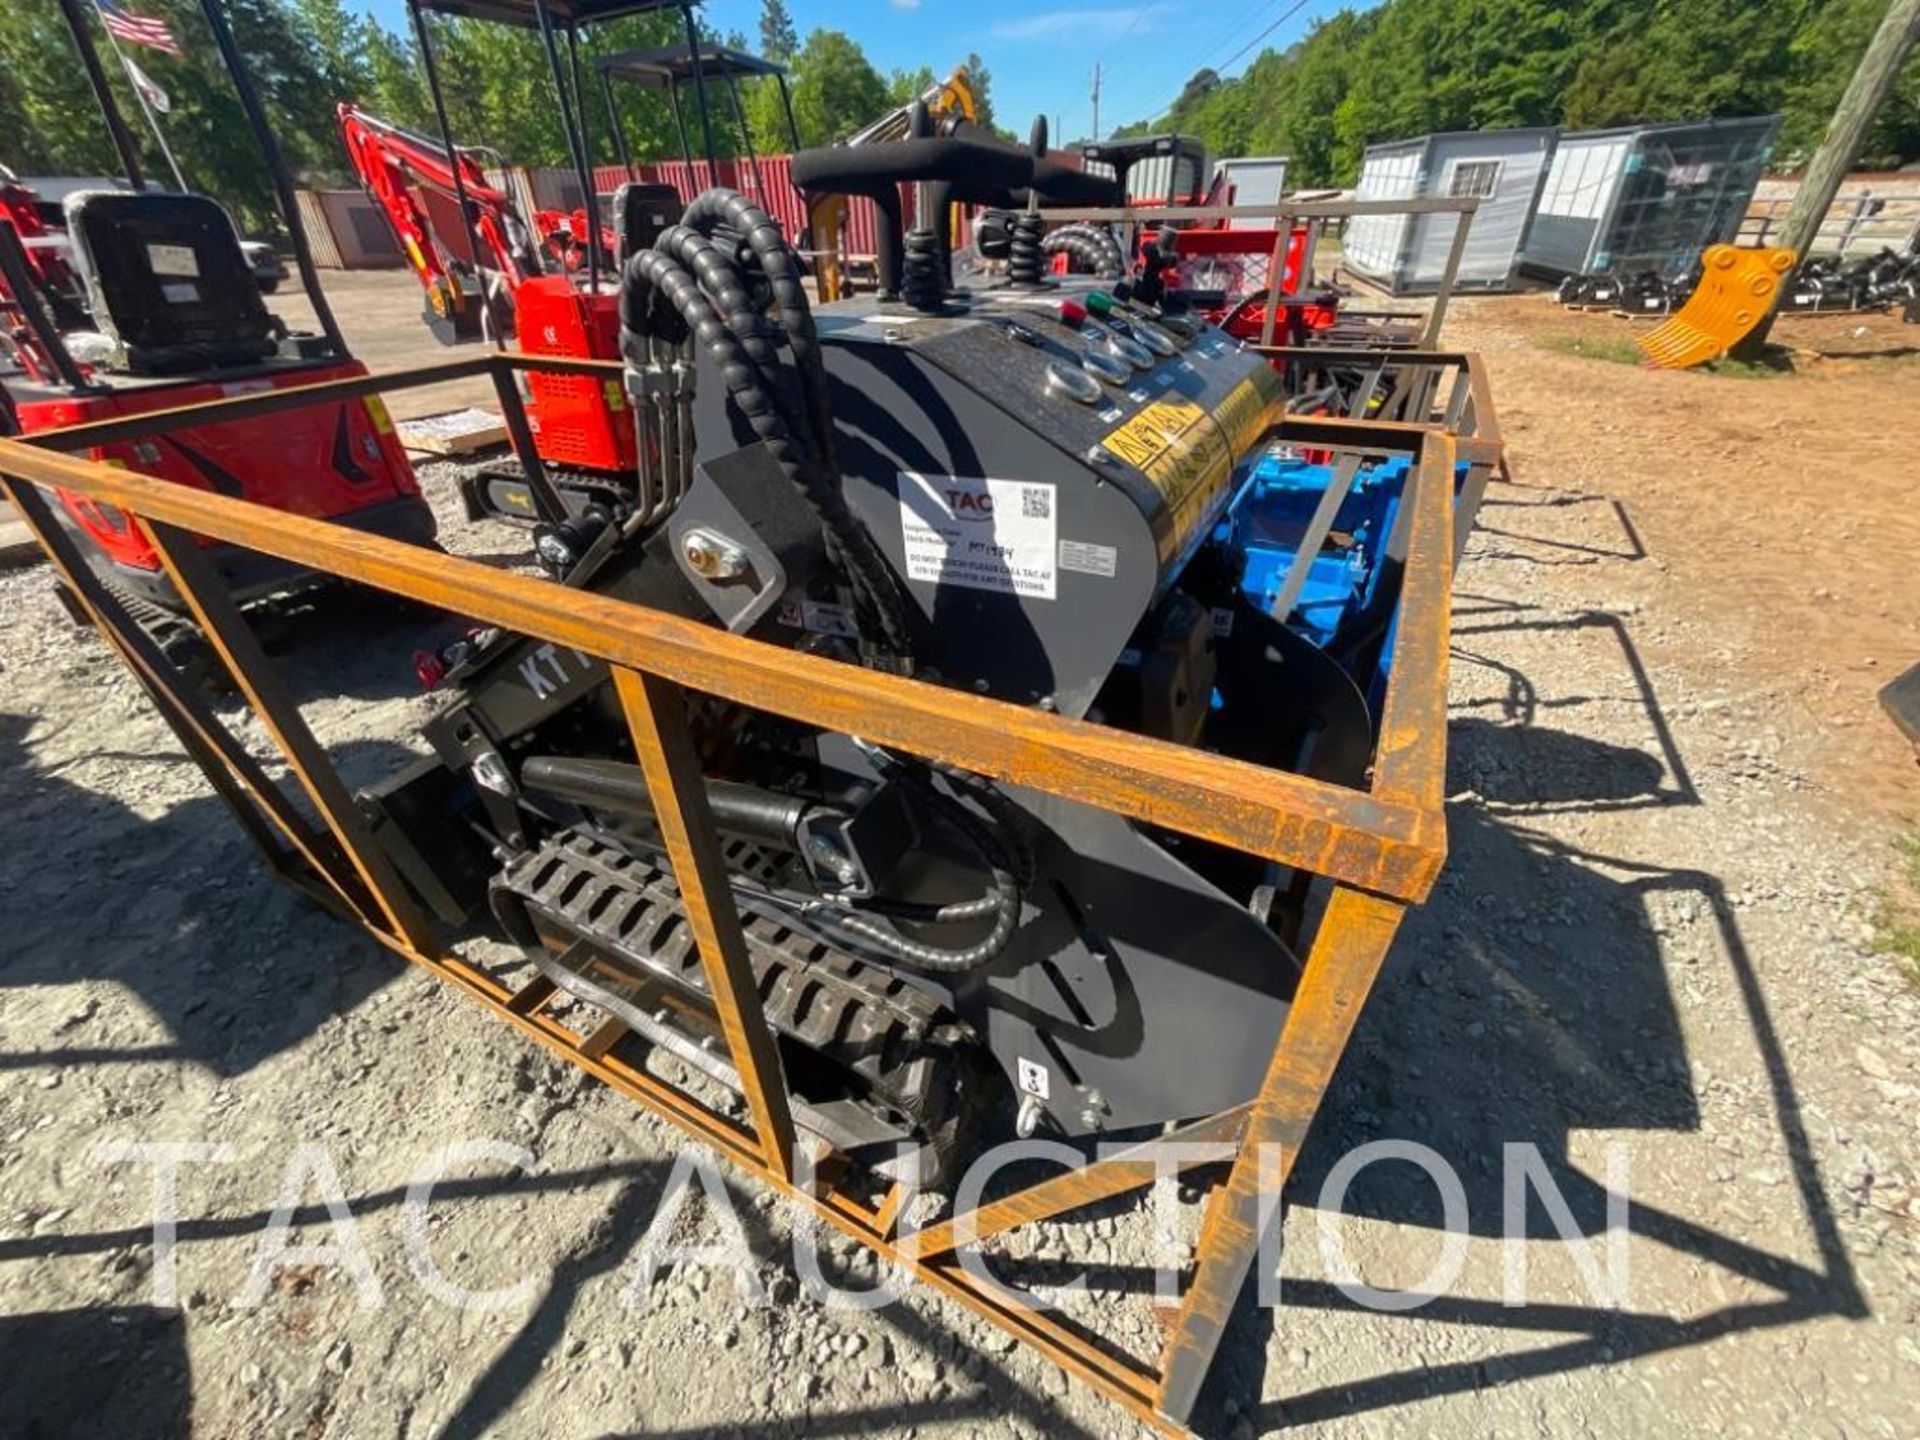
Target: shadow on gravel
{"x": 102, "y": 1373}
{"x": 1544, "y": 770}
{"x": 1527, "y": 1001}
{"x": 351, "y": 642}
{"x": 976, "y": 1385}
{"x": 519, "y": 1364}
{"x": 176, "y": 908}
{"x": 1555, "y": 500}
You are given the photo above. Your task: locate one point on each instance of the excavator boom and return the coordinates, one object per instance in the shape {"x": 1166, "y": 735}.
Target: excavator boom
{"x": 465, "y": 264}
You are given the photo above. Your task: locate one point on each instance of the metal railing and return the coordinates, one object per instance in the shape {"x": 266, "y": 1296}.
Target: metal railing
{"x": 1317, "y": 214}
{"x": 1377, "y": 850}
{"x": 1853, "y": 223}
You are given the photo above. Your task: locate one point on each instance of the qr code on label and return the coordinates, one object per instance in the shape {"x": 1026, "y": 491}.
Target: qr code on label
{"x": 1036, "y": 503}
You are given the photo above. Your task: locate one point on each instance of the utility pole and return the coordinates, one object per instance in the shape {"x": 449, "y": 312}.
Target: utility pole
{"x": 1096, "y": 99}
{"x": 1872, "y": 82}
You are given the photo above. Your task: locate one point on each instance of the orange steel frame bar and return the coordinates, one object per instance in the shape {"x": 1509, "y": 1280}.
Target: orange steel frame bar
{"x": 1381, "y": 848}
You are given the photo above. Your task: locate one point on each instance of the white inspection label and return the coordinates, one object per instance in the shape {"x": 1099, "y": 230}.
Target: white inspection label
{"x": 983, "y": 534}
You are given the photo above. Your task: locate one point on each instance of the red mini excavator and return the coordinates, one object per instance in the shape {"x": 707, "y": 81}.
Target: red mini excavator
{"x": 411, "y": 178}
{"x": 552, "y": 284}
{"x": 486, "y": 274}
{"x": 140, "y": 301}
{"x": 43, "y": 256}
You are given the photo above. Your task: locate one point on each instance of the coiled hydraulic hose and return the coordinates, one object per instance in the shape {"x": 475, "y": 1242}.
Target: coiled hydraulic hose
{"x": 702, "y": 284}
{"x": 695, "y": 286}
{"x": 1088, "y": 253}
{"x": 1105, "y": 237}
{"x": 1009, "y": 867}
{"x": 852, "y": 547}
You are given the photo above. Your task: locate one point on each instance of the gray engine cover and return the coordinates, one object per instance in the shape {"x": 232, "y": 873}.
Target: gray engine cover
{"x": 1028, "y": 560}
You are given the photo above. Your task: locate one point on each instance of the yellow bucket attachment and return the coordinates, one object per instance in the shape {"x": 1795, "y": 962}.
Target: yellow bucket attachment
{"x": 1736, "y": 290}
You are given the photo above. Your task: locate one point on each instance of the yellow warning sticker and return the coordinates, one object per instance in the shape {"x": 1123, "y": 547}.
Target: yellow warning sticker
{"x": 1248, "y": 410}
{"x": 1182, "y": 450}
{"x": 377, "y": 412}
{"x": 1141, "y": 440}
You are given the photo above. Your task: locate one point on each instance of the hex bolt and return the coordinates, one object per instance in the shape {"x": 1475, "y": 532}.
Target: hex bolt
{"x": 713, "y": 557}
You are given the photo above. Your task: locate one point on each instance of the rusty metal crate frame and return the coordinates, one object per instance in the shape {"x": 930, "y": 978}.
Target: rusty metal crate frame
{"x": 1379, "y": 850}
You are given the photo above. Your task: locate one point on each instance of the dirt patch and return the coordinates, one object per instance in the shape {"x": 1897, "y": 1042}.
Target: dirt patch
{"x": 1785, "y": 511}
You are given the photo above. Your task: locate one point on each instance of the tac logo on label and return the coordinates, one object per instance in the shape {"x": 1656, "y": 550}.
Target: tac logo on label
{"x": 980, "y": 533}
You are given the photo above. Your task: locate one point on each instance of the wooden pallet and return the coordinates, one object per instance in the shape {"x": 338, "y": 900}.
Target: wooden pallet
{"x": 454, "y": 432}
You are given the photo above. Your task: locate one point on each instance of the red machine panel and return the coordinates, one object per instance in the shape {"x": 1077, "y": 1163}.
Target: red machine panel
{"x": 578, "y": 420}
{"x": 326, "y": 461}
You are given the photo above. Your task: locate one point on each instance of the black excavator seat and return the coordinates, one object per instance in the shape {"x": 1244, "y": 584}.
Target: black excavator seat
{"x": 642, "y": 213}
{"x": 168, "y": 282}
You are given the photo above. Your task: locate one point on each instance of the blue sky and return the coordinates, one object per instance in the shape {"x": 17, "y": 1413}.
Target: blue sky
{"x": 1040, "y": 54}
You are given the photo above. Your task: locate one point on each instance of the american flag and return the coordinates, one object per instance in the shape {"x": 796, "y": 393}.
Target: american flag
{"x": 123, "y": 24}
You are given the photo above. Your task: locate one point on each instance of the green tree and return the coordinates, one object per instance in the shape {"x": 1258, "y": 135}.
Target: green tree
{"x": 766, "y": 118}
{"x": 1199, "y": 86}
{"x": 905, "y": 86}
{"x": 1410, "y": 66}
{"x": 980, "y": 79}
{"x": 836, "y": 90}
{"x": 396, "y": 90}
{"x": 41, "y": 76}
{"x": 1361, "y": 75}
{"x": 778, "y": 39}
{"x": 1824, "y": 52}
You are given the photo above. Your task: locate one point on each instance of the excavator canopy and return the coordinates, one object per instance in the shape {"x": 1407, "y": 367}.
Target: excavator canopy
{"x": 560, "y": 12}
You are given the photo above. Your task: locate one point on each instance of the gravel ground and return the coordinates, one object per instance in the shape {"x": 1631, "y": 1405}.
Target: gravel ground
{"x": 1650, "y": 958}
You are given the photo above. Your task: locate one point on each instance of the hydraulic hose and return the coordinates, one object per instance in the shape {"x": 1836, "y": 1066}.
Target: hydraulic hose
{"x": 761, "y": 239}
{"x": 1104, "y": 238}
{"x": 726, "y": 289}
{"x": 694, "y": 287}
{"x": 1087, "y": 253}
{"x": 772, "y": 817}
{"x": 999, "y": 844}
{"x": 1001, "y": 900}
{"x": 807, "y": 413}
{"x": 724, "y": 320}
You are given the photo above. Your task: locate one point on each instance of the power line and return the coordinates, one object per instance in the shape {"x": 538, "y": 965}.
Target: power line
{"x": 1230, "y": 62}
{"x": 1140, "y": 12}
{"x": 1291, "y": 11}
{"x": 1233, "y": 26}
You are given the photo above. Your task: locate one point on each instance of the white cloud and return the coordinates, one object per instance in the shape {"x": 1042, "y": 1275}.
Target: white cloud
{"x": 1050, "y": 23}
{"x": 904, "y": 4}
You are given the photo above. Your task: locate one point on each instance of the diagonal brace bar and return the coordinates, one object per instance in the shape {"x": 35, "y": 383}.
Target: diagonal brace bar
{"x": 656, "y": 711}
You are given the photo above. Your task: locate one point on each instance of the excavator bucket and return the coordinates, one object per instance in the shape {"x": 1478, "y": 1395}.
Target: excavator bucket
{"x": 1736, "y": 290}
